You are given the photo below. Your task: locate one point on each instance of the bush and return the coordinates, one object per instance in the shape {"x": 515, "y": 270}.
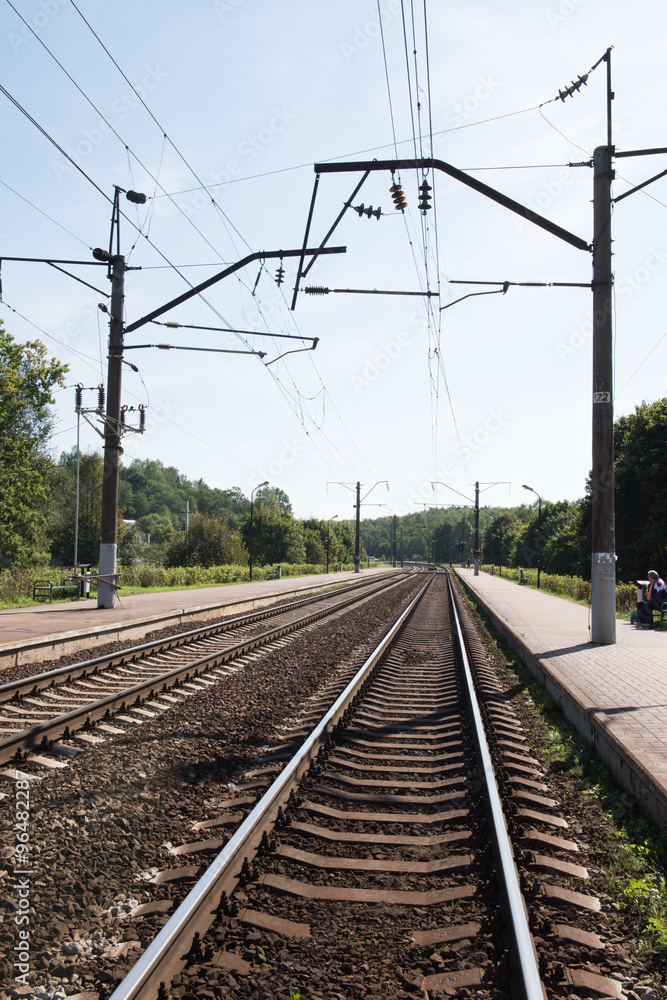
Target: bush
{"x": 16, "y": 584}
{"x": 573, "y": 586}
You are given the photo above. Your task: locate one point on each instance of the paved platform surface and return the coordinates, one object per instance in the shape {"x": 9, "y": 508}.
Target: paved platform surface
{"x": 616, "y": 695}
{"x": 29, "y": 633}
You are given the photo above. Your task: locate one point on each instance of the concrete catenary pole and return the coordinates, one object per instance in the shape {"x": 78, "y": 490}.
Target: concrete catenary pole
{"x": 106, "y": 593}
{"x": 357, "y": 547}
{"x": 476, "y": 550}
{"x": 603, "y": 559}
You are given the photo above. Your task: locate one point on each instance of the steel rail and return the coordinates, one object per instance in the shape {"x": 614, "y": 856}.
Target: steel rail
{"x": 169, "y": 949}
{"x": 72, "y": 671}
{"x": 526, "y": 973}
{"x": 77, "y": 718}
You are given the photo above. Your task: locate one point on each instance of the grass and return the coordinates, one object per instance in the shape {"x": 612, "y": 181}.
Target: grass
{"x": 16, "y": 585}
{"x": 572, "y": 588}
{"x": 630, "y": 849}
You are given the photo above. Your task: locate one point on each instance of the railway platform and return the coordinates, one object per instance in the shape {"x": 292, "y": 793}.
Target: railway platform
{"x": 615, "y": 695}
{"x": 45, "y": 631}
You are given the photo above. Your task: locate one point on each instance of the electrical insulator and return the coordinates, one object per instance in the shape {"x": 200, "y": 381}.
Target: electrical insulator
{"x": 136, "y": 197}
{"x": 79, "y": 397}
{"x": 102, "y": 255}
{"x": 396, "y": 192}
{"x": 362, "y": 210}
{"x": 316, "y": 290}
{"x": 574, "y": 87}
{"x": 142, "y": 418}
{"x": 123, "y": 411}
{"x": 100, "y": 398}
{"x": 280, "y": 275}
{"x": 424, "y": 196}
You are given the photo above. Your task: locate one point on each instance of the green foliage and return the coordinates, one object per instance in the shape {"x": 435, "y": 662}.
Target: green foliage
{"x": 574, "y": 587}
{"x": 16, "y": 583}
{"x": 640, "y": 446}
{"x": 208, "y": 542}
{"x": 27, "y": 378}
{"x": 276, "y": 536}
{"x": 158, "y": 526}
{"x": 131, "y": 547}
{"x": 144, "y": 575}
{"x": 554, "y": 538}
{"x": 155, "y": 496}
{"x": 273, "y": 497}
{"x": 62, "y": 511}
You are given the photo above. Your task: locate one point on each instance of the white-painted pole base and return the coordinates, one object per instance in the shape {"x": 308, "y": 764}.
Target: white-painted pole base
{"x": 106, "y": 595}
{"x": 603, "y": 598}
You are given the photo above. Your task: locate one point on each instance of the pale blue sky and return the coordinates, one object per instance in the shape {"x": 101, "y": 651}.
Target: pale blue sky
{"x": 250, "y": 94}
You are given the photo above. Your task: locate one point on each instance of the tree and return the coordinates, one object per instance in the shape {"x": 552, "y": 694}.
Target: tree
{"x": 131, "y": 546}
{"x": 277, "y": 537}
{"x": 209, "y": 542}
{"x": 62, "y": 515}
{"x": 149, "y": 488}
{"x": 158, "y": 526}
{"x": 316, "y": 547}
{"x": 640, "y": 446}
{"x": 499, "y": 538}
{"x": 275, "y": 498}
{"x": 27, "y": 378}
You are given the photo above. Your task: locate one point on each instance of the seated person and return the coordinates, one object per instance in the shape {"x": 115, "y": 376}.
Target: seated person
{"x": 655, "y": 595}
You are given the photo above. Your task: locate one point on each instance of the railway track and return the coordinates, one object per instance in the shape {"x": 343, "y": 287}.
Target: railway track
{"x": 132, "y": 685}
{"x": 378, "y": 863}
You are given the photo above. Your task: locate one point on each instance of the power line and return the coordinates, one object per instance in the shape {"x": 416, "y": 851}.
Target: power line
{"x": 166, "y": 136}
{"x": 86, "y": 358}
{"x": 46, "y": 135}
{"x": 45, "y": 214}
{"x": 129, "y": 151}
{"x": 386, "y": 75}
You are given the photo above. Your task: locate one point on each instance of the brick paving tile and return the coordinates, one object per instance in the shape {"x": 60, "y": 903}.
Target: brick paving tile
{"x": 23, "y": 624}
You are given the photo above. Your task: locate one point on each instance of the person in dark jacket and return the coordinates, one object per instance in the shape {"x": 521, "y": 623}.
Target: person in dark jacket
{"x": 655, "y": 595}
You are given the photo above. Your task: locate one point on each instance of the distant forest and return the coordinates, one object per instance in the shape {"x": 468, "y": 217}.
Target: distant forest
{"x": 37, "y": 504}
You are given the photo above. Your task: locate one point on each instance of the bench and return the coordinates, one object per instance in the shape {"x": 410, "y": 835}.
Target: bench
{"x": 44, "y": 588}
{"x": 523, "y": 577}
{"x": 662, "y": 621}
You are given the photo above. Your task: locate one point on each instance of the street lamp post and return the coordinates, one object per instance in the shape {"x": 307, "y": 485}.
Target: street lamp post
{"x": 539, "y": 526}
{"x": 252, "y": 500}
{"x": 328, "y": 526}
